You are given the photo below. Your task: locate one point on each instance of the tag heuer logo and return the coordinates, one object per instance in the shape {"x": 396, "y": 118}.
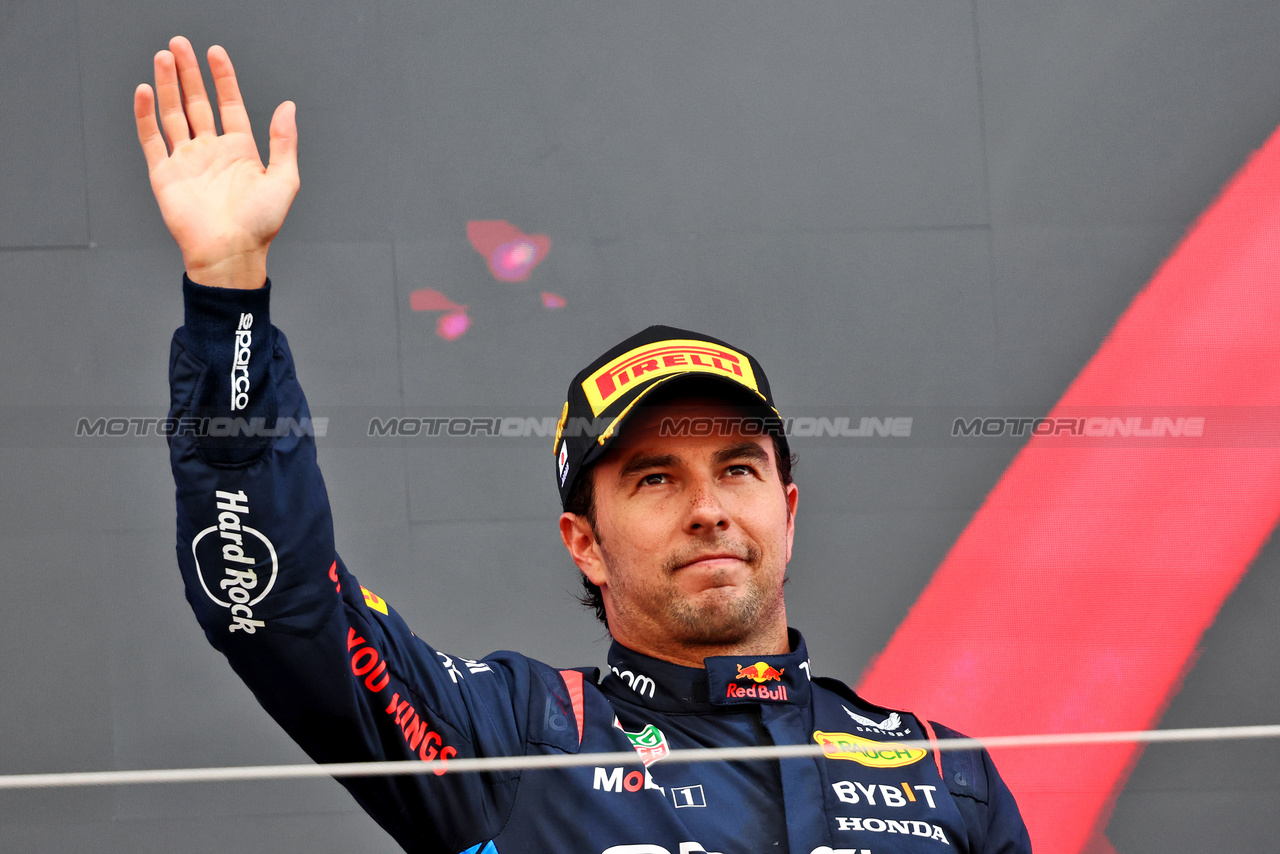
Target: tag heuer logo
{"x": 649, "y": 742}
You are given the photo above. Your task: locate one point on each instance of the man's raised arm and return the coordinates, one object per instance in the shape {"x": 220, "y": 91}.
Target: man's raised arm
{"x": 333, "y": 663}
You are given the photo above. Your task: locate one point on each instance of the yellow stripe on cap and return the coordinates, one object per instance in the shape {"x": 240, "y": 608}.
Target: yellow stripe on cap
{"x": 564, "y": 416}
{"x": 617, "y": 419}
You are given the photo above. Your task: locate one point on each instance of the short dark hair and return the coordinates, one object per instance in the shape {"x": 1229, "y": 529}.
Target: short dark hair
{"x": 582, "y": 502}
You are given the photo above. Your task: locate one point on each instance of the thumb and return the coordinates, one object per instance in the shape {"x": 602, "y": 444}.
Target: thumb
{"x": 284, "y": 141}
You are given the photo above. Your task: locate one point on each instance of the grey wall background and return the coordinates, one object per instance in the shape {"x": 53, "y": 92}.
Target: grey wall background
{"x": 892, "y": 203}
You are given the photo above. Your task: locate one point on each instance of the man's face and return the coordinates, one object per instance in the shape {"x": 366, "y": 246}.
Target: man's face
{"x": 692, "y": 534}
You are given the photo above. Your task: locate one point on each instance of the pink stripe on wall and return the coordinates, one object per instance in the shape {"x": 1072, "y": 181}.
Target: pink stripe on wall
{"x": 1077, "y": 596}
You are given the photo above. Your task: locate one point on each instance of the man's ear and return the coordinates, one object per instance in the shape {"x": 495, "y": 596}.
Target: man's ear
{"x": 580, "y": 539}
{"x": 793, "y": 497}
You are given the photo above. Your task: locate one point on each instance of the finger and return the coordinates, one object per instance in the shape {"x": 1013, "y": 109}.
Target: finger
{"x": 235, "y": 119}
{"x": 172, "y": 117}
{"x": 144, "y": 111}
{"x": 284, "y": 142}
{"x": 199, "y": 112}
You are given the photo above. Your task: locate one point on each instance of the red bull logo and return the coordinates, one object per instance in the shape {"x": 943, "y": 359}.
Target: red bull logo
{"x": 678, "y": 356}
{"x": 759, "y": 673}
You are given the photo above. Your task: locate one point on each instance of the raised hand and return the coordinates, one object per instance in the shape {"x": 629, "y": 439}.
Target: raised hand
{"x": 221, "y": 204}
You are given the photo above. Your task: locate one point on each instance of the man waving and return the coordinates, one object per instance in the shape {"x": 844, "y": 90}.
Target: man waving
{"x": 679, "y": 511}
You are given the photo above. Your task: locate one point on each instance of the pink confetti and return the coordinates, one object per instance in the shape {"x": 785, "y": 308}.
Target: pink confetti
{"x": 511, "y": 253}
{"x": 453, "y": 325}
{"x": 429, "y": 299}
{"x": 552, "y": 300}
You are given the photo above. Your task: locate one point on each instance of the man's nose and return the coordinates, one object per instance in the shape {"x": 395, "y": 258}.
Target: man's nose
{"x": 706, "y": 511}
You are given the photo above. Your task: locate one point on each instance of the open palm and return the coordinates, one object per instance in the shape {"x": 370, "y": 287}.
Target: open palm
{"x": 221, "y": 204}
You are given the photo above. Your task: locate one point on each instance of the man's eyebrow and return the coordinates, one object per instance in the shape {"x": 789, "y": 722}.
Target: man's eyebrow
{"x": 644, "y": 462}
{"x": 742, "y": 451}
{"x": 738, "y": 451}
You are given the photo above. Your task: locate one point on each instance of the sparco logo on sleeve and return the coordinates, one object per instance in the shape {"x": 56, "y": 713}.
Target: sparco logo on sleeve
{"x": 240, "y": 364}
{"x": 237, "y": 561}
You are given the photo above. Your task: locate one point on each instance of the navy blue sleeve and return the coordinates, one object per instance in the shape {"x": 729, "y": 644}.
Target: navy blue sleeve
{"x": 990, "y": 812}
{"x": 1006, "y": 831}
{"x": 330, "y": 661}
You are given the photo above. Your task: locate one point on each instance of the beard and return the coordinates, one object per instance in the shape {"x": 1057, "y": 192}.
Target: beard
{"x": 717, "y": 616}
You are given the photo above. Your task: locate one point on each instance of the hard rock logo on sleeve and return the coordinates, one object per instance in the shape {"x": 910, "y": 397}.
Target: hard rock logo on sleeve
{"x": 232, "y": 566}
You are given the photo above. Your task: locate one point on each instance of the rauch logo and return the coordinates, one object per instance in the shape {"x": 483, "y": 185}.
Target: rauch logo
{"x": 864, "y": 751}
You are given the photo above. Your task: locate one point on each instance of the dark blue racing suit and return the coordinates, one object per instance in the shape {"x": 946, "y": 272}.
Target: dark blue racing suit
{"x": 341, "y": 672}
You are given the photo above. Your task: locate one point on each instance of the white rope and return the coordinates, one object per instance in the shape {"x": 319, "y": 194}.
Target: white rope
{"x": 626, "y": 757}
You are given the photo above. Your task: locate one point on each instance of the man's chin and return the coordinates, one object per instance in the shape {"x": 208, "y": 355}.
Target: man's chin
{"x": 719, "y": 617}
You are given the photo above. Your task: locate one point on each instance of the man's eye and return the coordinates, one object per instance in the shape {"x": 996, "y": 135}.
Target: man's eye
{"x": 653, "y": 479}
{"x": 740, "y": 469}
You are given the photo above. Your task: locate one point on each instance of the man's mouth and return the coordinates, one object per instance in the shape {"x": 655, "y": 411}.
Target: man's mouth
{"x": 722, "y": 558}
{"x": 709, "y": 560}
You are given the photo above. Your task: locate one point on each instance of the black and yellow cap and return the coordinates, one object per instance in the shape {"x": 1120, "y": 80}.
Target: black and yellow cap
{"x": 605, "y": 392}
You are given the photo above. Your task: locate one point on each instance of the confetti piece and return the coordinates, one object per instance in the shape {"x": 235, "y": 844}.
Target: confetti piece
{"x": 429, "y": 299}
{"x": 511, "y": 253}
{"x": 453, "y": 325}
{"x": 552, "y": 300}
